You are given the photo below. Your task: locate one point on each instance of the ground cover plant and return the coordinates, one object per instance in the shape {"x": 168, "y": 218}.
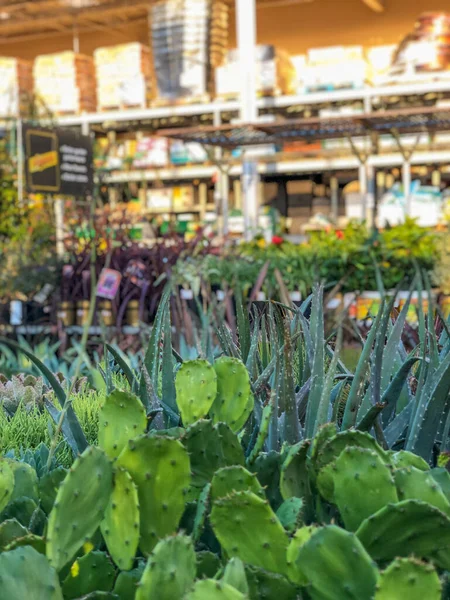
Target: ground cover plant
{"x": 263, "y": 468}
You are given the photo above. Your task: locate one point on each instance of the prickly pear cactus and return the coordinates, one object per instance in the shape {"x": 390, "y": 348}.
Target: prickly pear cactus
{"x": 299, "y": 539}
{"x": 294, "y": 480}
{"x": 420, "y": 485}
{"x": 235, "y": 576}
{"x": 6, "y": 484}
{"x": 196, "y": 388}
{"x": 235, "y": 479}
{"x": 127, "y": 583}
{"x": 335, "y": 445}
{"x": 246, "y": 527}
{"x": 203, "y": 504}
{"x": 121, "y": 418}
{"x": 387, "y": 534}
{"x": 323, "y": 435}
{"x": 264, "y": 585}
{"x": 26, "y": 574}
{"x": 93, "y": 572}
{"x": 170, "y": 570}
{"x": 336, "y": 565}
{"x": 211, "y": 589}
{"x": 234, "y": 401}
{"x": 9, "y": 531}
{"x": 408, "y": 578}
{"x": 403, "y": 458}
{"x": 210, "y": 448}
{"x": 160, "y": 468}
{"x": 442, "y": 478}
{"x": 290, "y": 514}
{"x": 25, "y": 480}
{"x": 79, "y": 506}
{"x": 120, "y": 527}
{"x": 48, "y": 487}
{"x": 362, "y": 485}
{"x": 208, "y": 564}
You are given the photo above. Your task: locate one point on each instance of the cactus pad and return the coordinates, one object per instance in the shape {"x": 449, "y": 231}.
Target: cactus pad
{"x": 299, "y": 539}
{"x": 388, "y": 533}
{"x": 25, "y": 480}
{"x": 202, "y": 509}
{"x": 208, "y": 564}
{"x": 362, "y": 485}
{"x": 170, "y": 570}
{"x": 442, "y": 478}
{"x": 336, "y": 565}
{"x": 93, "y": 572}
{"x": 290, "y": 513}
{"x": 121, "y": 418}
{"x": 294, "y": 480}
{"x": 120, "y": 527}
{"x": 235, "y": 576}
{"x": 211, "y": 589}
{"x": 210, "y": 448}
{"x": 127, "y": 583}
{"x": 408, "y": 578}
{"x": 264, "y": 585}
{"x": 79, "y": 506}
{"x": 25, "y": 573}
{"x": 6, "y": 484}
{"x": 413, "y": 484}
{"x": 21, "y": 509}
{"x": 48, "y": 487}
{"x": 9, "y": 531}
{"x": 246, "y": 527}
{"x": 268, "y": 471}
{"x": 334, "y": 446}
{"x": 234, "y": 479}
{"x": 196, "y": 388}
{"x": 234, "y": 401}
{"x": 403, "y": 458}
{"x": 159, "y": 466}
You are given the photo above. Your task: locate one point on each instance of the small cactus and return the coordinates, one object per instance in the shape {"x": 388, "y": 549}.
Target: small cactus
{"x": 235, "y": 479}
{"x": 93, "y": 572}
{"x": 24, "y": 390}
{"x": 419, "y": 485}
{"x": 6, "y": 484}
{"x": 409, "y": 578}
{"x": 234, "y": 401}
{"x": 211, "y": 589}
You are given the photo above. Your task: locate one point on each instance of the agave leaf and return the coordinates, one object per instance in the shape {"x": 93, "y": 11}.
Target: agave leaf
{"x": 317, "y": 371}
{"x": 121, "y": 360}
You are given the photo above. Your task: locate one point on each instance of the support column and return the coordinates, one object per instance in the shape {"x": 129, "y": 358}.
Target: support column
{"x": 20, "y": 162}
{"x": 334, "y": 187}
{"x": 225, "y": 191}
{"x": 59, "y": 223}
{"x": 246, "y": 38}
{"x": 363, "y": 190}
{"x": 406, "y": 174}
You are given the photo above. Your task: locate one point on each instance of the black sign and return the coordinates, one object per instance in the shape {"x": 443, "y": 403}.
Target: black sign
{"x": 57, "y": 161}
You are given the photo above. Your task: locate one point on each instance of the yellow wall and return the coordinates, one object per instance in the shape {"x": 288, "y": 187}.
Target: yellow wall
{"x": 294, "y": 28}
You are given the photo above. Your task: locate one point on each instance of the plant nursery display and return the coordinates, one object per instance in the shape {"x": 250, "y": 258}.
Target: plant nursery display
{"x": 253, "y": 465}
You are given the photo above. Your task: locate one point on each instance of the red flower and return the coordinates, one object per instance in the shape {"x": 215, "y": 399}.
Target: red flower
{"x": 277, "y": 240}
{"x": 339, "y": 234}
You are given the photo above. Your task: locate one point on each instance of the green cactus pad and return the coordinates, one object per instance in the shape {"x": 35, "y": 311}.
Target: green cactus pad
{"x": 208, "y": 564}
{"x": 323, "y": 435}
{"x": 300, "y": 538}
{"x": 336, "y": 565}
{"x": 26, "y": 574}
{"x": 38, "y": 522}
{"x": 362, "y": 485}
{"x": 211, "y": 589}
{"x": 170, "y": 570}
{"x": 202, "y": 509}
{"x": 235, "y": 479}
{"x": 160, "y": 468}
{"x": 294, "y": 480}
{"x": 93, "y": 572}
{"x": 413, "y": 484}
{"x": 9, "y": 531}
{"x": 388, "y": 533}
{"x": 334, "y": 446}
{"x": 6, "y": 484}
{"x": 442, "y": 478}
{"x": 264, "y": 585}
{"x": 127, "y": 582}
{"x": 234, "y": 401}
{"x": 21, "y": 509}
{"x": 121, "y": 418}
{"x": 211, "y": 447}
{"x": 290, "y": 514}
{"x": 48, "y": 487}
{"x": 325, "y": 482}
{"x": 246, "y": 527}
{"x": 410, "y": 579}
{"x": 120, "y": 527}
{"x": 35, "y": 541}
{"x": 25, "y": 480}
{"x": 196, "y": 388}
{"x": 268, "y": 471}
{"x": 235, "y": 576}
{"x": 79, "y": 506}
{"x": 403, "y": 458}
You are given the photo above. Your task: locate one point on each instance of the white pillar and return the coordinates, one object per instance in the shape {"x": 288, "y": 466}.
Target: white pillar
{"x": 363, "y": 190}
{"x": 59, "y": 223}
{"x": 406, "y": 174}
{"x": 20, "y": 162}
{"x": 334, "y": 188}
{"x": 246, "y": 38}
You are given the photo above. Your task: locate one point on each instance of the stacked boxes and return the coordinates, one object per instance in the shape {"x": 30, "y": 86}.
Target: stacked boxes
{"x": 124, "y": 76}
{"x": 335, "y": 67}
{"x": 65, "y": 83}
{"x": 16, "y": 86}
{"x": 275, "y": 73}
{"x": 189, "y": 39}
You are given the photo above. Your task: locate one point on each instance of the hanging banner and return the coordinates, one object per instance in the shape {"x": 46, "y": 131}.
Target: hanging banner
{"x": 57, "y": 161}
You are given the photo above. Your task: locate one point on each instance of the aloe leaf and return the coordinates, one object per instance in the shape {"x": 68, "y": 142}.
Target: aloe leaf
{"x": 123, "y": 364}
{"x": 398, "y": 425}
{"x": 291, "y": 423}
{"x": 243, "y": 325}
{"x": 392, "y": 394}
{"x": 324, "y": 410}
{"x": 167, "y": 374}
